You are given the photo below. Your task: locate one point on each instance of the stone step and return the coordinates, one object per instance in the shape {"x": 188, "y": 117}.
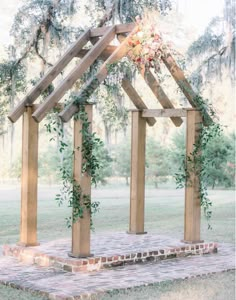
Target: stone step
{"x": 49, "y": 257}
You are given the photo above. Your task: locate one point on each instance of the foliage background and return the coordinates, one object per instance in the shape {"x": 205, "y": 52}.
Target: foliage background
{"x": 42, "y": 30}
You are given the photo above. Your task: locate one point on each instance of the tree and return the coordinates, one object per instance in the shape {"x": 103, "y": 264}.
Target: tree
{"x": 158, "y": 166}
{"x": 178, "y": 151}
{"x": 105, "y": 161}
{"x": 222, "y": 172}
{"x": 127, "y": 10}
{"x": 43, "y": 29}
{"x": 215, "y": 49}
{"x": 220, "y": 159}
{"x": 122, "y": 157}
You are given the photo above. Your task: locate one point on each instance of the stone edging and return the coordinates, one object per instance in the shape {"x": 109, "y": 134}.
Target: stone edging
{"x": 98, "y": 294}
{"x": 31, "y": 255}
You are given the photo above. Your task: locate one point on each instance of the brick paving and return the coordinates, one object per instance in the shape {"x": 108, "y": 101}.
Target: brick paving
{"x": 58, "y": 284}
{"x": 109, "y": 250}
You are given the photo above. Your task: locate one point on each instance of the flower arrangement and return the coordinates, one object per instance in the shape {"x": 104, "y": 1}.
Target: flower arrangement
{"x": 146, "y": 46}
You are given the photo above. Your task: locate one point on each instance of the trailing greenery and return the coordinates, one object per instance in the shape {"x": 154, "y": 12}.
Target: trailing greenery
{"x": 71, "y": 192}
{"x": 198, "y": 161}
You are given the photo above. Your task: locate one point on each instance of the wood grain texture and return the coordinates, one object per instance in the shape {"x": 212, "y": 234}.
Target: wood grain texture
{"x": 81, "y": 228}
{"x": 74, "y": 75}
{"x": 180, "y": 78}
{"x": 121, "y": 28}
{"x": 103, "y": 56}
{"x": 192, "y": 215}
{"x": 88, "y": 89}
{"x": 137, "y": 180}
{"x": 166, "y": 113}
{"x": 29, "y": 180}
{"x": 160, "y": 94}
{"x": 136, "y": 99}
{"x": 49, "y": 76}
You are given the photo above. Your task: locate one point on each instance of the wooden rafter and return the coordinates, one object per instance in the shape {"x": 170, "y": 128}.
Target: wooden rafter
{"x": 121, "y": 28}
{"x": 106, "y": 52}
{"x": 160, "y": 95}
{"x": 180, "y": 79}
{"x": 49, "y": 76}
{"x": 136, "y": 99}
{"x": 157, "y": 90}
{"x": 76, "y": 73}
{"x": 104, "y": 55}
{"x": 94, "y": 82}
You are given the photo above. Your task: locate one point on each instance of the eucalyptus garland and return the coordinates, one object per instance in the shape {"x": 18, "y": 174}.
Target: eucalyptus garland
{"x": 71, "y": 192}
{"x": 197, "y": 161}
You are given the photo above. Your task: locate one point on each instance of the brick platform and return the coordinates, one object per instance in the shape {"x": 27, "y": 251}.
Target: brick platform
{"x": 110, "y": 250}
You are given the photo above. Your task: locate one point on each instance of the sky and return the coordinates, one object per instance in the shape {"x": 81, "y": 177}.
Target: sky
{"x": 196, "y": 12}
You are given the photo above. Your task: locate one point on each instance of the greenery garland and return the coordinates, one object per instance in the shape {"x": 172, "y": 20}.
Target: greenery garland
{"x": 198, "y": 161}
{"x": 71, "y": 191}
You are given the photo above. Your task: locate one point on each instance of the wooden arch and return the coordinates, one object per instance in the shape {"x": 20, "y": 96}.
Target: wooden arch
{"x": 33, "y": 114}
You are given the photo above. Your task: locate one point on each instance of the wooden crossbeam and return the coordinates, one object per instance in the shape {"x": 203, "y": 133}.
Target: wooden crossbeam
{"x": 160, "y": 95}
{"x": 157, "y": 90}
{"x": 49, "y": 76}
{"x": 94, "y": 82}
{"x": 169, "y": 113}
{"x": 74, "y": 75}
{"x": 121, "y": 28}
{"x": 104, "y": 55}
{"x": 136, "y": 99}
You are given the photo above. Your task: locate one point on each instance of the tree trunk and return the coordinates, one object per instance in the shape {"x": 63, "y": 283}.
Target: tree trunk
{"x": 156, "y": 182}
{"x": 107, "y": 134}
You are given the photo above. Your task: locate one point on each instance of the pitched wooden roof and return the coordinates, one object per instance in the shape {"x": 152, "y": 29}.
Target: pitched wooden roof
{"x": 100, "y": 37}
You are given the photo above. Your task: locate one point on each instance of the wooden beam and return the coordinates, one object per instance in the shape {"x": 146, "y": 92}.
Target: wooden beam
{"x": 81, "y": 228}
{"x": 160, "y": 94}
{"x": 176, "y": 112}
{"x": 192, "y": 215}
{"x": 157, "y": 90}
{"x": 136, "y": 99}
{"x": 137, "y": 180}
{"x": 76, "y": 73}
{"x": 58, "y": 106}
{"x": 121, "y": 28}
{"x": 104, "y": 55}
{"x": 29, "y": 180}
{"x": 94, "y": 82}
{"x": 179, "y": 77}
{"x": 49, "y": 76}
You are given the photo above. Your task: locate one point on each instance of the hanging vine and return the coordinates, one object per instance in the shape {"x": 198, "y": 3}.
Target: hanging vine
{"x": 147, "y": 49}
{"x": 71, "y": 192}
{"x": 197, "y": 162}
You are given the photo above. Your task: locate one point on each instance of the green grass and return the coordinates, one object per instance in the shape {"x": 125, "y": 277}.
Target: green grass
{"x": 9, "y": 293}
{"x": 161, "y": 207}
{"x": 218, "y": 287}
{"x": 164, "y": 214}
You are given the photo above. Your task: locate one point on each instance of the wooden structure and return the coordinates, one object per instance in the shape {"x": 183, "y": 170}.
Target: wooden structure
{"x": 32, "y": 114}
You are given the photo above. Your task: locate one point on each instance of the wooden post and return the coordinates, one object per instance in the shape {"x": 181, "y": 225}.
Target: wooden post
{"x": 81, "y": 228}
{"x": 137, "y": 180}
{"x": 29, "y": 178}
{"x": 192, "y": 194}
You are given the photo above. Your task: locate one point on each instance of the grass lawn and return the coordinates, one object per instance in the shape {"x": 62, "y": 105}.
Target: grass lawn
{"x": 218, "y": 287}
{"x": 164, "y": 214}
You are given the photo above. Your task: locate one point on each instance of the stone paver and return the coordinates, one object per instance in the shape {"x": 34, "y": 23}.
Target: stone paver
{"x": 109, "y": 250}
{"x": 110, "y": 244}
{"x": 58, "y": 284}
